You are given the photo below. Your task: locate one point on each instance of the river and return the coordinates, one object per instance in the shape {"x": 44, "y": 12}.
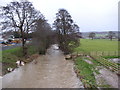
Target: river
{"x": 47, "y": 71}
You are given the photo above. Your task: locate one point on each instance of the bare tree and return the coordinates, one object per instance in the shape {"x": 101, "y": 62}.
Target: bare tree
{"x": 92, "y": 35}
{"x": 67, "y": 31}
{"x": 20, "y": 16}
{"x": 111, "y": 35}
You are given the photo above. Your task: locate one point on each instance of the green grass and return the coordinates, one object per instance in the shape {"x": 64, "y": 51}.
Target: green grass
{"x": 109, "y": 57}
{"x": 88, "y": 45}
{"x": 18, "y": 51}
{"x": 14, "y": 51}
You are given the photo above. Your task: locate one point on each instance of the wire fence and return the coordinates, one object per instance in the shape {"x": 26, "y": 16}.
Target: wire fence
{"x": 98, "y": 53}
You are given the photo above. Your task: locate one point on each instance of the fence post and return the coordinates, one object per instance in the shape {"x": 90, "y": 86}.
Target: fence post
{"x": 103, "y": 53}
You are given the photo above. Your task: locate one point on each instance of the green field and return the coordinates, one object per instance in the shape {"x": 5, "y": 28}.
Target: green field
{"x": 88, "y": 45}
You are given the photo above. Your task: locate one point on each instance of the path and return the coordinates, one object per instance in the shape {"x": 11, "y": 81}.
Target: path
{"x": 50, "y": 71}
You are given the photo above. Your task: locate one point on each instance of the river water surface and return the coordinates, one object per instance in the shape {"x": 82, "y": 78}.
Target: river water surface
{"x": 47, "y": 71}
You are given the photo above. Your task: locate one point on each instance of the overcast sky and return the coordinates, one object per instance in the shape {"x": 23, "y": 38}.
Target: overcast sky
{"x": 90, "y": 15}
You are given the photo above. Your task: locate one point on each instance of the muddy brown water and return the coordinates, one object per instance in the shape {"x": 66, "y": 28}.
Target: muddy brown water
{"x": 48, "y": 71}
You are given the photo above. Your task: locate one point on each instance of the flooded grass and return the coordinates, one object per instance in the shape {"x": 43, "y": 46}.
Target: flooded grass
{"x": 86, "y": 71}
{"x": 10, "y": 56}
{"x": 94, "y": 75}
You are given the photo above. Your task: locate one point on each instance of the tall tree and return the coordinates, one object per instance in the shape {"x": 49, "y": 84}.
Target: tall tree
{"x": 42, "y": 36}
{"x": 111, "y": 35}
{"x": 92, "y": 35}
{"x": 66, "y": 30}
{"x": 20, "y": 16}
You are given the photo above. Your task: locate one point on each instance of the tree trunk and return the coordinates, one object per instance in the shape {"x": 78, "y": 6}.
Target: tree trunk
{"x": 111, "y": 38}
{"x": 24, "y": 49}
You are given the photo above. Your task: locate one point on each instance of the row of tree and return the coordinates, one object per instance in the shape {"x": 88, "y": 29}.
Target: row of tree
{"x": 110, "y": 35}
{"x": 21, "y": 16}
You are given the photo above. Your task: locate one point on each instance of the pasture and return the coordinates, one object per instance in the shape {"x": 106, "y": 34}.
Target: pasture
{"x": 97, "y": 45}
